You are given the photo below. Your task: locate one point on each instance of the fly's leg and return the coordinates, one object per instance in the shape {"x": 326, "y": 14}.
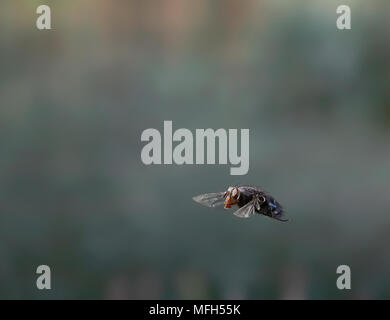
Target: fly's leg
{"x": 256, "y": 203}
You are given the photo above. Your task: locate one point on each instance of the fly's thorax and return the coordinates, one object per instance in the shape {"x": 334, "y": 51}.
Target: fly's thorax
{"x": 244, "y": 199}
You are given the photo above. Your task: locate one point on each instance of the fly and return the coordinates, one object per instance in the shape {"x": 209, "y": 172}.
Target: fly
{"x": 250, "y": 201}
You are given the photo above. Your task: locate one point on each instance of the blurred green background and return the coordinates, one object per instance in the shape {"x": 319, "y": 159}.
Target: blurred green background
{"x": 75, "y": 195}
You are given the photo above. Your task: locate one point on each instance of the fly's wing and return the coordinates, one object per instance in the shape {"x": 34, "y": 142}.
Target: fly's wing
{"x": 210, "y": 199}
{"x": 246, "y": 211}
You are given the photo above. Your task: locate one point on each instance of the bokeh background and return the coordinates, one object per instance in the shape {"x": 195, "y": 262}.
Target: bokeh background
{"x": 75, "y": 195}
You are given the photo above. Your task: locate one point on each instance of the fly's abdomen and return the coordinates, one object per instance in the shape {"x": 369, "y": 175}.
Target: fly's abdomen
{"x": 274, "y": 208}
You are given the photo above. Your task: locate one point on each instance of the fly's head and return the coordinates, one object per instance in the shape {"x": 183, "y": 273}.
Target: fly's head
{"x": 231, "y": 195}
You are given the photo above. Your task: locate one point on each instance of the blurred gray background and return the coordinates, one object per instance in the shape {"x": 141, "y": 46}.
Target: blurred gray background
{"x": 75, "y": 195}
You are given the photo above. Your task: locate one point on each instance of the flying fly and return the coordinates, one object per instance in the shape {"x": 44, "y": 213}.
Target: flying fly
{"x": 250, "y": 201}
